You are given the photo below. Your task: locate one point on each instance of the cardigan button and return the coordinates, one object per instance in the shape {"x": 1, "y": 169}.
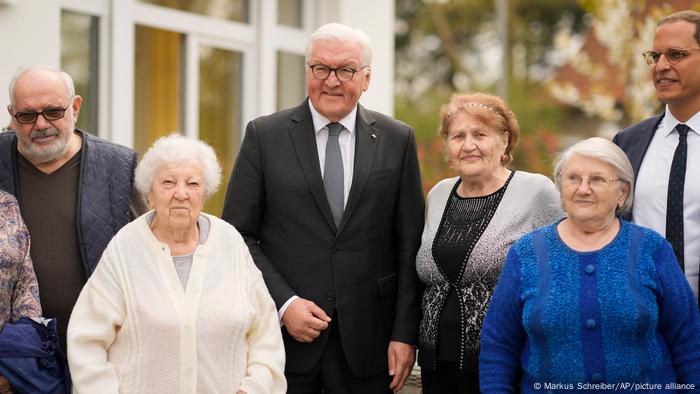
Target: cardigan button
{"x": 591, "y": 324}
{"x": 590, "y": 268}
{"x": 597, "y": 377}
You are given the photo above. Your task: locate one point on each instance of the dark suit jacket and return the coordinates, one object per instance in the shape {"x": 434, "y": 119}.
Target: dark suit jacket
{"x": 365, "y": 269}
{"x": 635, "y": 141}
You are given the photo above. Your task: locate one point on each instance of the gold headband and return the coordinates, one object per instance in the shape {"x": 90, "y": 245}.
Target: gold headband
{"x": 478, "y": 105}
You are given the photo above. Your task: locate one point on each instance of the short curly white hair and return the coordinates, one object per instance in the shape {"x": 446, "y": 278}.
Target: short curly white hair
{"x": 173, "y": 149}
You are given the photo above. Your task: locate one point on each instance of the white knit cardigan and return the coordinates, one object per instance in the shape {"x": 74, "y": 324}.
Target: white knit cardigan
{"x": 135, "y": 330}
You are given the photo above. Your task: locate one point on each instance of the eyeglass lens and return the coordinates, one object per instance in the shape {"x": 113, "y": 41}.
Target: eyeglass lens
{"x": 673, "y": 55}
{"x": 51, "y": 113}
{"x": 343, "y": 74}
{"x": 594, "y": 181}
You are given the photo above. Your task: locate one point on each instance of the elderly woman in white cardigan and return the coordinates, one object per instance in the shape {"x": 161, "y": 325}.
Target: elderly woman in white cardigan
{"x": 471, "y": 221}
{"x": 176, "y": 304}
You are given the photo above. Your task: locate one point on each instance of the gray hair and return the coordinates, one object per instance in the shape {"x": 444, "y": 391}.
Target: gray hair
{"x": 176, "y": 148}
{"x": 21, "y": 70}
{"x": 343, "y": 33}
{"x": 607, "y": 152}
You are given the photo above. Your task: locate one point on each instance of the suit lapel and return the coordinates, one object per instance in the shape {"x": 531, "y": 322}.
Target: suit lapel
{"x": 301, "y": 133}
{"x": 637, "y": 151}
{"x": 366, "y": 140}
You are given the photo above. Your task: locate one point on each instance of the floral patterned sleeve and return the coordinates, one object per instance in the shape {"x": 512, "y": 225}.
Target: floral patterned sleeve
{"x": 19, "y": 291}
{"x": 25, "y": 299}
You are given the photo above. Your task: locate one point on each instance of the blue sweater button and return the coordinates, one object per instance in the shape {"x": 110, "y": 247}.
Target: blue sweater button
{"x": 591, "y": 323}
{"x": 590, "y": 268}
{"x": 597, "y": 378}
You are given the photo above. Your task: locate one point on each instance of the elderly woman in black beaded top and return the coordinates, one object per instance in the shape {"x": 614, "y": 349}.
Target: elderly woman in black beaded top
{"x": 471, "y": 222}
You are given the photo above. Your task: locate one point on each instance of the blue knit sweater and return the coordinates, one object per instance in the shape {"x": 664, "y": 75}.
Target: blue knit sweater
{"x": 576, "y": 321}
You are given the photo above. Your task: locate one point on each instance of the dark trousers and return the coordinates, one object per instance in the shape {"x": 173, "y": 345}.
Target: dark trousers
{"x": 447, "y": 378}
{"x": 332, "y": 374}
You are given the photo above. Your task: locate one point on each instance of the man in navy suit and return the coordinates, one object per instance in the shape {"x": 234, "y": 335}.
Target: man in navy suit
{"x": 665, "y": 149}
{"x": 337, "y": 255}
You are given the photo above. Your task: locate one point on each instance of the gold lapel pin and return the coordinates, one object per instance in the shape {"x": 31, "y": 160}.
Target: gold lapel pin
{"x": 374, "y": 136}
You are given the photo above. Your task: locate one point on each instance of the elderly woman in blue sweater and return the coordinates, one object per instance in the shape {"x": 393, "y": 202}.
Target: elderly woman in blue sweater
{"x": 592, "y": 300}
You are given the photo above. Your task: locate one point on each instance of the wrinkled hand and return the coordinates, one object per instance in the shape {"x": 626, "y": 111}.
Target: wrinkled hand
{"x": 5, "y": 386}
{"x": 401, "y": 359}
{"x": 305, "y": 320}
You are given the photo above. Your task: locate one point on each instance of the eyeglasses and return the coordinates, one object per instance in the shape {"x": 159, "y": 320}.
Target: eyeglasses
{"x": 344, "y": 74}
{"x": 595, "y": 182}
{"x": 50, "y": 113}
{"x": 673, "y": 55}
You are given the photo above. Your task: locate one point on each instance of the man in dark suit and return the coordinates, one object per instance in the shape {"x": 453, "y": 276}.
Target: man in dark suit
{"x": 328, "y": 197}
{"x": 661, "y": 148}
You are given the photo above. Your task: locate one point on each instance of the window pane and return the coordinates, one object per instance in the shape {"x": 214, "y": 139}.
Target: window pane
{"x": 289, "y": 12}
{"x": 232, "y": 10}
{"x": 220, "y": 111}
{"x": 79, "y": 58}
{"x": 291, "y": 80}
{"x": 157, "y": 85}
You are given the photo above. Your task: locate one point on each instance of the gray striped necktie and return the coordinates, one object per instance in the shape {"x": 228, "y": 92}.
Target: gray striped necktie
{"x": 333, "y": 173}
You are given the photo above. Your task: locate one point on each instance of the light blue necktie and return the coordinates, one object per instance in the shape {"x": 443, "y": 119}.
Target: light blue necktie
{"x": 333, "y": 173}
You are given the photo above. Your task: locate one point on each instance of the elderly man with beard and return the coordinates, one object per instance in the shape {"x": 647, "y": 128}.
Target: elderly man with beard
{"x": 75, "y": 190}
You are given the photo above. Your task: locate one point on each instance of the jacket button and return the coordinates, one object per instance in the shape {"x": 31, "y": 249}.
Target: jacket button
{"x": 336, "y": 251}
{"x": 331, "y": 297}
{"x": 590, "y": 268}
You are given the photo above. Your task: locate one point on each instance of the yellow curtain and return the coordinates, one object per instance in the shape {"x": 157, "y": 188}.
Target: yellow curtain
{"x": 157, "y": 85}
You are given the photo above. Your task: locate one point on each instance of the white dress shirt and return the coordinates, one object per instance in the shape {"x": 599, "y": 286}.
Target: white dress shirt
{"x": 346, "y": 140}
{"x": 649, "y": 205}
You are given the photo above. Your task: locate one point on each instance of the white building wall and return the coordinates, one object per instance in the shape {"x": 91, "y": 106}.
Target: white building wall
{"x": 29, "y": 33}
{"x": 376, "y": 18}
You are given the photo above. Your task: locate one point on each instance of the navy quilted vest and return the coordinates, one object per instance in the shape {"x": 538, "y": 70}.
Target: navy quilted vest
{"x": 105, "y": 188}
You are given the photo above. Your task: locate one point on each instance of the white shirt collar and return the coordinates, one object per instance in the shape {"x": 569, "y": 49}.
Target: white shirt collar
{"x": 670, "y": 122}
{"x": 321, "y": 121}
